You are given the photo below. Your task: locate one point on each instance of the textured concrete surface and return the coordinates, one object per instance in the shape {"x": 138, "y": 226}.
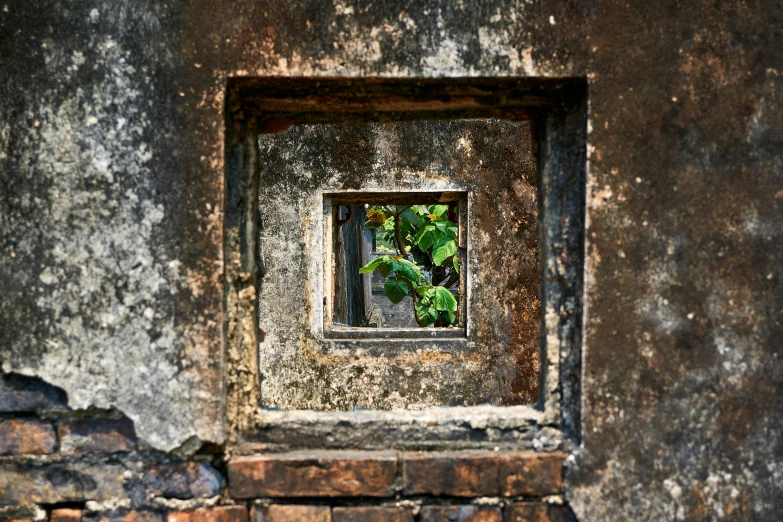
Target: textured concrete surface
{"x": 111, "y": 154}
{"x": 497, "y": 363}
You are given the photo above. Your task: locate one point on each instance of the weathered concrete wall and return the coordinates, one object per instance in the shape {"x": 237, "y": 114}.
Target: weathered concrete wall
{"x": 111, "y": 160}
{"x": 112, "y": 132}
{"x": 110, "y": 241}
{"x": 683, "y": 377}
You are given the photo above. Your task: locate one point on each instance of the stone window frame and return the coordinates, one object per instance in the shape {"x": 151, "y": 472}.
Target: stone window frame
{"x": 557, "y": 110}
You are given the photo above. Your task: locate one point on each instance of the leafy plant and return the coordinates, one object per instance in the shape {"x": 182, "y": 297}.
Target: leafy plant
{"x": 427, "y": 236}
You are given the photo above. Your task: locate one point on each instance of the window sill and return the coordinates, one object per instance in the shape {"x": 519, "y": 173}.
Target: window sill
{"x": 502, "y": 428}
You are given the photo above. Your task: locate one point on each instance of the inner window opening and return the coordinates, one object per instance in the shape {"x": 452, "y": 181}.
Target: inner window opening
{"x": 398, "y": 263}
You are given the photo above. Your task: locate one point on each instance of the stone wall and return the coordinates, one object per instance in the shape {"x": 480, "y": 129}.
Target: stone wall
{"x": 61, "y": 465}
{"x": 113, "y": 231}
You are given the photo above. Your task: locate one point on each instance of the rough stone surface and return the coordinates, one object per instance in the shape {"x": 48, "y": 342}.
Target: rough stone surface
{"x": 113, "y": 141}
{"x": 313, "y": 474}
{"x": 25, "y": 436}
{"x": 498, "y": 363}
{"x": 286, "y": 512}
{"x": 461, "y": 514}
{"x": 684, "y": 305}
{"x": 111, "y": 153}
{"x": 183, "y": 480}
{"x": 372, "y": 514}
{"x": 508, "y": 428}
{"x": 100, "y": 299}
{"x": 83, "y": 436}
{"x": 476, "y": 474}
{"x": 22, "y": 512}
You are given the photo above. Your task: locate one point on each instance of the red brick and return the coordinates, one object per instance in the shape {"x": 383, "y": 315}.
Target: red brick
{"x": 532, "y": 474}
{"x": 482, "y": 473}
{"x": 183, "y": 480}
{"x": 26, "y": 436}
{"x": 66, "y": 515}
{"x": 83, "y": 436}
{"x": 317, "y": 474}
{"x": 535, "y": 512}
{"x": 372, "y": 514}
{"x": 216, "y": 514}
{"x": 123, "y": 516}
{"x": 56, "y": 482}
{"x": 290, "y": 513}
{"x": 461, "y": 514}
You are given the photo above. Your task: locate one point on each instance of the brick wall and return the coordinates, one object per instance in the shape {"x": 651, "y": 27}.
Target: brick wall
{"x": 63, "y": 467}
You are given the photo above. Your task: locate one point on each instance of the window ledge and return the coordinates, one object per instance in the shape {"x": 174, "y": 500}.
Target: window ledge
{"x": 502, "y": 428}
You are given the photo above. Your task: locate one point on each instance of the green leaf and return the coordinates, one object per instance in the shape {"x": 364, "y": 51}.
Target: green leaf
{"x": 384, "y": 264}
{"x": 395, "y": 289}
{"x": 426, "y": 315}
{"x": 447, "y": 227}
{"x": 421, "y": 290}
{"x": 372, "y": 265}
{"x": 421, "y": 210}
{"x": 409, "y": 216}
{"x": 444, "y": 226}
{"x": 389, "y": 224}
{"x": 406, "y": 231}
{"x": 438, "y": 210}
{"x": 447, "y": 318}
{"x": 427, "y": 236}
{"x": 408, "y": 270}
{"x": 443, "y": 249}
{"x": 387, "y": 266}
{"x": 444, "y": 300}
{"x": 428, "y": 296}
{"x": 455, "y": 263}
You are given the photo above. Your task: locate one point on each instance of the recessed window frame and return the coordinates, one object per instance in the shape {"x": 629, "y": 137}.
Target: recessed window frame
{"x": 557, "y": 111}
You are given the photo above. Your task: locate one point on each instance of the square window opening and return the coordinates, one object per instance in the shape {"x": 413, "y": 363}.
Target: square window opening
{"x": 326, "y": 346}
{"x": 375, "y": 288}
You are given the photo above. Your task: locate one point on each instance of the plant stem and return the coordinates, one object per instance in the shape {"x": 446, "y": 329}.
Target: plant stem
{"x": 401, "y": 250}
{"x": 398, "y": 235}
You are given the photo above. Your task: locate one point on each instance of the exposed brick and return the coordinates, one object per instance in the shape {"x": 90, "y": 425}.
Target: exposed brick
{"x": 535, "y": 512}
{"x": 289, "y": 512}
{"x": 66, "y": 515}
{"x": 124, "y": 516}
{"x": 532, "y": 474}
{"x": 183, "y": 480}
{"x": 51, "y": 483}
{"x": 372, "y": 514}
{"x": 216, "y": 514}
{"x": 461, "y": 514}
{"x": 317, "y": 474}
{"x": 480, "y": 473}
{"x": 26, "y": 436}
{"x": 83, "y": 436}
